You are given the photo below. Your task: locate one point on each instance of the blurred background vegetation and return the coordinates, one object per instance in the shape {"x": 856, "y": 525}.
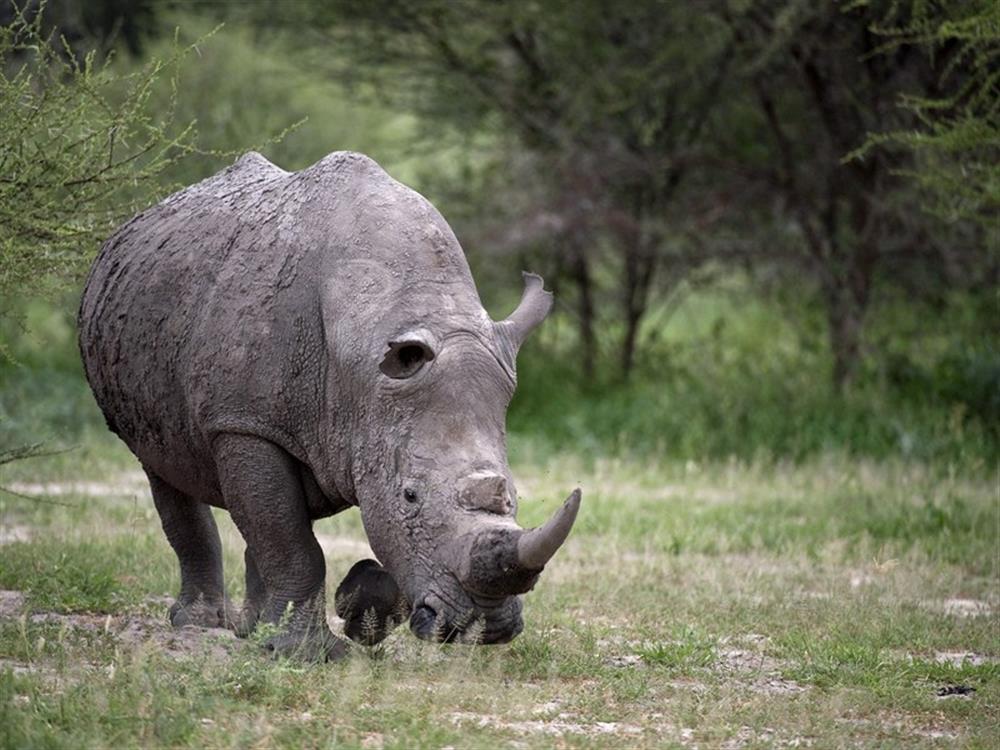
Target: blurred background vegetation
{"x": 771, "y": 225}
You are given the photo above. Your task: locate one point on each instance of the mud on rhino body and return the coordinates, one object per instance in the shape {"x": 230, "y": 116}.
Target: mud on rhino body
{"x": 288, "y": 345}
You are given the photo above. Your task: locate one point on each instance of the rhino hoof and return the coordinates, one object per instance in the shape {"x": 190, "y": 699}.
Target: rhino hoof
{"x": 245, "y": 622}
{"x": 202, "y": 613}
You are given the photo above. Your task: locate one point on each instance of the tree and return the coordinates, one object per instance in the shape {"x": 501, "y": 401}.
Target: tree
{"x": 823, "y": 80}
{"x": 650, "y": 137}
{"x": 955, "y": 137}
{"x": 80, "y": 150}
{"x": 96, "y": 24}
{"x": 609, "y": 101}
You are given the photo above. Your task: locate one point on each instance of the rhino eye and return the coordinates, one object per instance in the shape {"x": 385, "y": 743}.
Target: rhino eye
{"x": 410, "y": 495}
{"x": 410, "y": 356}
{"x": 405, "y": 358}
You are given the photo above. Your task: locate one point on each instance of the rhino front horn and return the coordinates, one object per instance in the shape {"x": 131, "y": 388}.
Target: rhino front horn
{"x": 504, "y": 561}
{"x": 536, "y": 547}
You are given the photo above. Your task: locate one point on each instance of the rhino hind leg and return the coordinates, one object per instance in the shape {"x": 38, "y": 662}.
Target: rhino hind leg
{"x": 191, "y": 531}
{"x": 286, "y": 570}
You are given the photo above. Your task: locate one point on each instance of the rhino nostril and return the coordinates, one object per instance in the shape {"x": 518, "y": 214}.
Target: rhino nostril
{"x": 422, "y": 621}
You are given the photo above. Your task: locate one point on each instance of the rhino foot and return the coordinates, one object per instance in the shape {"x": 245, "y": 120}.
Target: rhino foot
{"x": 245, "y": 622}
{"x": 202, "y": 612}
{"x": 313, "y": 646}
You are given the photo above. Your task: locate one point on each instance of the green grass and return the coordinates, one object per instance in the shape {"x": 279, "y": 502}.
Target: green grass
{"x": 74, "y": 577}
{"x": 734, "y": 374}
{"x": 755, "y": 604}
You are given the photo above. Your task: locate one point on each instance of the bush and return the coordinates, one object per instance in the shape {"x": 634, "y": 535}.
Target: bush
{"x": 731, "y": 378}
{"x": 81, "y": 147}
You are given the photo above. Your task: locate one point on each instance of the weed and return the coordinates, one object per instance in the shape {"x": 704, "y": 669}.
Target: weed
{"x": 687, "y": 650}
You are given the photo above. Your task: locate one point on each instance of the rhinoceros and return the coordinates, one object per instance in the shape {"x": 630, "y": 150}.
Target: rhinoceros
{"x": 287, "y": 345}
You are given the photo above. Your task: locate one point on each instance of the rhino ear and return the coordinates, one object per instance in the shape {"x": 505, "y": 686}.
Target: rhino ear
{"x": 407, "y": 354}
{"x": 535, "y": 305}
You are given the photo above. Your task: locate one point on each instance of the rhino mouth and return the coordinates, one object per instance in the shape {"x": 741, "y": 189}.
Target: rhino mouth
{"x": 477, "y": 601}
{"x": 472, "y": 620}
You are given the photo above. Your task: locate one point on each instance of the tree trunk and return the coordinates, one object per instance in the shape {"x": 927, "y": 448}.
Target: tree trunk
{"x": 846, "y": 321}
{"x": 640, "y": 262}
{"x": 628, "y": 343}
{"x": 848, "y": 304}
{"x": 847, "y": 295}
{"x": 580, "y": 270}
{"x": 639, "y": 267}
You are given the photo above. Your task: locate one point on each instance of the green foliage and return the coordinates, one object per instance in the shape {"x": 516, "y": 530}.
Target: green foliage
{"x": 966, "y": 378}
{"x": 250, "y": 91}
{"x": 731, "y": 375}
{"x": 957, "y": 141}
{"x": 80, "y": 150}
{"x": 45, "y": 399}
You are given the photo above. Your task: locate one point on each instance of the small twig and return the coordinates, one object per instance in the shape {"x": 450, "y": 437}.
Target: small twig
{"x": 36, "y": 498}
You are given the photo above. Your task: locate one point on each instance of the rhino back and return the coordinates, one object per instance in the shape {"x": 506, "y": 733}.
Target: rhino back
{"x": 200, "y": 314}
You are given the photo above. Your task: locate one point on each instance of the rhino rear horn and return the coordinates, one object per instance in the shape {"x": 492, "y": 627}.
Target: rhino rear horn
{"x": 534, "y": 306}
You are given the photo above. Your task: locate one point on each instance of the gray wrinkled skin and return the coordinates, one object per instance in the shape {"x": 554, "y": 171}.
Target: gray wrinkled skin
{"x": 288, "y": 345}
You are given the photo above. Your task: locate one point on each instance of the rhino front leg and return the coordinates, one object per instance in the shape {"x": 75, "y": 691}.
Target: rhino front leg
{"x": 262, "y": 488}
{"x": 255, "y": 600}
{"x": 191, "y": 531}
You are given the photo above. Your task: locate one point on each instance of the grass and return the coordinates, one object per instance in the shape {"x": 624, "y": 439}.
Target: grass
{"x": 719, "y": 605}
{"x": 734, "y": 374}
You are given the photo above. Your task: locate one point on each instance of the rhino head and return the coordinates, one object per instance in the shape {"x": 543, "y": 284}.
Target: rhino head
{"x": 429, "y": 376}
{"x": 441, "y": 512}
